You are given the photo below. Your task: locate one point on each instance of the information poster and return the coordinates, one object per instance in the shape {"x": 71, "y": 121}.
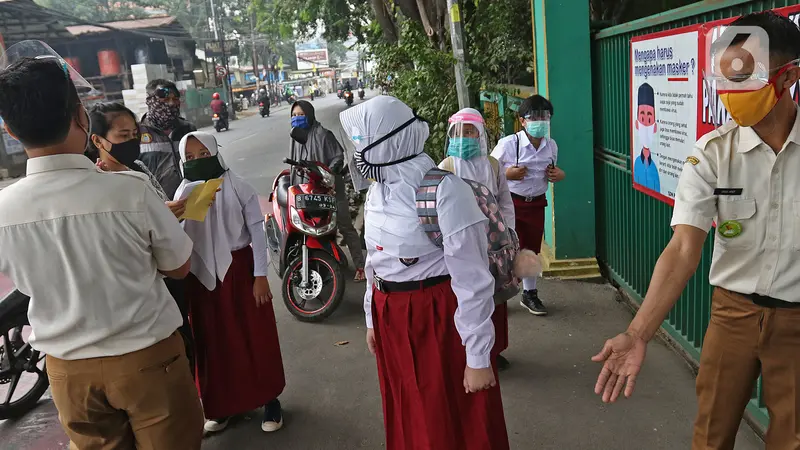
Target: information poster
{"x": 664, "y": 86}
{"x": 672, "y": 105}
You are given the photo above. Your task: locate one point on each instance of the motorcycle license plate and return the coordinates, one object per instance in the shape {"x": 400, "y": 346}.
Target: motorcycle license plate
{"x": 314, "y": 202}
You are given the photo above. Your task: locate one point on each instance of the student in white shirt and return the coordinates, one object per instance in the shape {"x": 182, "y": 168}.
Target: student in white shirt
{"x": 90, "y": 248}
{"x": 428, "y": 309}
{"x": 530, "y": 160}
{"x": 239, "y": 365}
{"x": 468, "y": 157}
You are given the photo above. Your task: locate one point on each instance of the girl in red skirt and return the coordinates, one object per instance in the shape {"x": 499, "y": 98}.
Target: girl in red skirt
{"x": 238, "y": 357}
{"x": 468, "y": 157}
{"x": 428, "y": 309}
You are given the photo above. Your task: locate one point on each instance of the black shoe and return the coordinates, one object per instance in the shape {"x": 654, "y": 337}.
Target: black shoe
{"x": 273, "y": 417}
{"x": 530, "y": 301}
{"x": 502, "y": 363}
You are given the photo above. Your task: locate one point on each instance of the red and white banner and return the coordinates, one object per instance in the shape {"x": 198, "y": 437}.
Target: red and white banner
{"x": 671, "y": 105}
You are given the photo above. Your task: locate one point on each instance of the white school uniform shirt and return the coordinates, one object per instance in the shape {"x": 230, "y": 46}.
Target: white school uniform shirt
{"x": 465, "y": 259}
{"x": 535, "y": 160}
{"x": 733, "y": 176}
{"x": 87, "y": 246}
{"x": 392, "y": 229}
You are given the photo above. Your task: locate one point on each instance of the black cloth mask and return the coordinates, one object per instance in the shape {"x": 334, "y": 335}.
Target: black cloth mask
{"x": 203, "y": 169}
{"x": 127, "y": 152}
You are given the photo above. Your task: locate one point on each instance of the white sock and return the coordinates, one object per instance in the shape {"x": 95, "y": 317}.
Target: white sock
{"x": 529, "y": 283}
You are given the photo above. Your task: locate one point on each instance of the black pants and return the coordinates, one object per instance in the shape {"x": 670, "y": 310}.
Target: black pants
{"x": 177, "y": 290}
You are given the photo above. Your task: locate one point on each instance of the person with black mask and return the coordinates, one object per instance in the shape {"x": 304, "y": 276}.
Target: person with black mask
{"x": 160, "y": 131}
{"x": 313, "y": 142}
{"x": 114, "y": 145}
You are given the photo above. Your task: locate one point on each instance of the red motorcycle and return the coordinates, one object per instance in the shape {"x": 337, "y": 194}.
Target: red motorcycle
{"x": 301, "y": 237}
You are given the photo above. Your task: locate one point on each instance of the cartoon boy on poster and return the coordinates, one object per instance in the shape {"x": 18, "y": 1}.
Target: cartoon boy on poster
{"x": 645, "y": 172}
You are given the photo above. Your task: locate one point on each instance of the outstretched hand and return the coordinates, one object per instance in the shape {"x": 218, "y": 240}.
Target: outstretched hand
{"x": 622, "y": 359}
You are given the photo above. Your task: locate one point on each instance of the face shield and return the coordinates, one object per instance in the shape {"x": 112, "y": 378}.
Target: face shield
{"x": 537, "y": 123}
{"x": 349, "y": 141}
{"x": 40, "y": 50}
{"x": 466, "y": 136}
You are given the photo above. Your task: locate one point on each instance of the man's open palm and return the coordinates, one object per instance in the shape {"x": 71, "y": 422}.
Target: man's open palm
{"x": 623, "y": 357}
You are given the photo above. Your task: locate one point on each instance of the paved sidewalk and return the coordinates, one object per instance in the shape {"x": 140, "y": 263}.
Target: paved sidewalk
{"x": 332, "y": 400}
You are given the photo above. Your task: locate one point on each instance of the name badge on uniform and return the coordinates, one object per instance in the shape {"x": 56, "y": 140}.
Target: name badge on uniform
{"x": 728, "y": 191}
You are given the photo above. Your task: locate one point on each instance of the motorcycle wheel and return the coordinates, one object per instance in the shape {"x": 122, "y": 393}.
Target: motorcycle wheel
{"x": 319, "y": 301}
{"x": 20, "y": 390}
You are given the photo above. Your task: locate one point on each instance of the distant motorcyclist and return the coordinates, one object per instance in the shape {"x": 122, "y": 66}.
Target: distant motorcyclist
{"x": 218, "y": 106}
{"x": 263, "y": 97}
{"x": 347, "y": 86}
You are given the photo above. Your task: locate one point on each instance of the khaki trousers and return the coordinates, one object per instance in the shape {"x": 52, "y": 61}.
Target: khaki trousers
{"x": 141, "y": 400}
{"x": 742, "y": 340}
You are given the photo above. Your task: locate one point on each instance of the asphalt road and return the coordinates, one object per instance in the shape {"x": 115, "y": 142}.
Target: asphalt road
{"x": 332, "y": 401}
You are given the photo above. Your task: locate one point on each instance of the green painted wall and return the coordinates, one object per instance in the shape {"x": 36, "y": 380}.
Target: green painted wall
{"x": 563, "y": 61}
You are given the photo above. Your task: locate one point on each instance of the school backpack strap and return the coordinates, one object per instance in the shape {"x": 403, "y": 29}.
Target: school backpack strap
{"x": 495, "y": 167}
{"x": 426, "y": 205}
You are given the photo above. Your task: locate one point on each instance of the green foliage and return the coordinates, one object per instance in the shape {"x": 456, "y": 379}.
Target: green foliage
{"x": 422, "y": 77}
{"x": 498, "y": 36}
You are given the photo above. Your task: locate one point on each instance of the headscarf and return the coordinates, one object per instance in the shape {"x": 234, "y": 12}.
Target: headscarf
{"x": 215, "y": 237}
{"x": 479, "y": 168}
{"x": 391, "y": 221}
{"x": 321, "y": 144}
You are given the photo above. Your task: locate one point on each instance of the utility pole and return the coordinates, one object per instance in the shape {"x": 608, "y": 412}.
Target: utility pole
{"x": 457, "y": 40}
{"x": 219, "y": 35}
{"x": 253, "y": 47}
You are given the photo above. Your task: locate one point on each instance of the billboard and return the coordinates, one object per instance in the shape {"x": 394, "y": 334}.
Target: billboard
{"x": 214, "y": 49}
{"x": 311, "y": 54}
{"x": 671, "y": 105}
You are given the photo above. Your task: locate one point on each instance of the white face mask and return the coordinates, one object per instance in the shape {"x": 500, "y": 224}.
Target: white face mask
{"x": 646, "y": 135}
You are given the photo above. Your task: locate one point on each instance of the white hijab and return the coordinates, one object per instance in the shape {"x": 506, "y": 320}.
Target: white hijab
{"x": 479, "y": 168}
{"x": 391, "y": 221}
{"x": 215, "y": 238}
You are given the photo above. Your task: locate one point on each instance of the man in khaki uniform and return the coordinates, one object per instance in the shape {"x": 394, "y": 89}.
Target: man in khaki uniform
{"x": 744, "y": 177}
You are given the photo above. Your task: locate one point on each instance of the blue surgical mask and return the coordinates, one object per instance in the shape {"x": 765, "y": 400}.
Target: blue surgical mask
{"x": 537, "y": 128}
{"x": 299, "y": 122}
{"x": 464, "y": 148}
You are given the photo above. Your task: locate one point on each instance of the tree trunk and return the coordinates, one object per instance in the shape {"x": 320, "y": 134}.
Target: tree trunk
{"x": 385, "y": 20}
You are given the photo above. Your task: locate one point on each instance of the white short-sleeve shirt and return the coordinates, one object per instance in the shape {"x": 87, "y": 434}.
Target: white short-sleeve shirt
{"x": 87, "y": 246}
{"x": 753, "y": 194}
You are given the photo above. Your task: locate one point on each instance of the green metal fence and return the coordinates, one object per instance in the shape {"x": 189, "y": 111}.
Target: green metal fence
{"x": 632, "y": 228}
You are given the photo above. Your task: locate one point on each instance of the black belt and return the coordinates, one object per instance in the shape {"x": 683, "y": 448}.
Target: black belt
{"x": 387, "y": 287}
{"x": 528, "y": 199}
{"x": 770, "y": 302}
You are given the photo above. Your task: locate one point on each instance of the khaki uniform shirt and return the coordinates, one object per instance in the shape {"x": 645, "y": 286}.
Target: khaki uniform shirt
{"x": 736, "y": 180}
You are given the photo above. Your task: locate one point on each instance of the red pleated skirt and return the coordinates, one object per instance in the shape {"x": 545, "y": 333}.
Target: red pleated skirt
{"x": 239, "y": 366}
{"x": 530, "y": 223}
{"x": 421, "y": 364}
{"x": 500, "y": 321}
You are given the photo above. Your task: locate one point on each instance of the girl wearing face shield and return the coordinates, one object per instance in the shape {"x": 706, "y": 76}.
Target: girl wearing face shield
{"x": 468, "y": 157}
{"x": 428, "y": 309}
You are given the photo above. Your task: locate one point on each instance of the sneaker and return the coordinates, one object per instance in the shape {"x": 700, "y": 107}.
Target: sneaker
{"x": 502, "y": 363}
{"x": 530, "y": 301}
{"x": 273, "y": 418}
{"x": 216, "y": 425}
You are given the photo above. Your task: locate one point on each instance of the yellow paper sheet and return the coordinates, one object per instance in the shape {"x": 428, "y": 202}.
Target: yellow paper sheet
{"x": 199, "y": 200}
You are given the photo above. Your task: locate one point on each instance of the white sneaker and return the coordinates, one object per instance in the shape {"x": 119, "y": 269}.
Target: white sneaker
{"x": 215, "y": 426}
{"x": 269, "y": 427}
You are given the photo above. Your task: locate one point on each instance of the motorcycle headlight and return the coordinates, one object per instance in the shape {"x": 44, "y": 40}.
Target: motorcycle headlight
{"x": 308, "y": 229}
